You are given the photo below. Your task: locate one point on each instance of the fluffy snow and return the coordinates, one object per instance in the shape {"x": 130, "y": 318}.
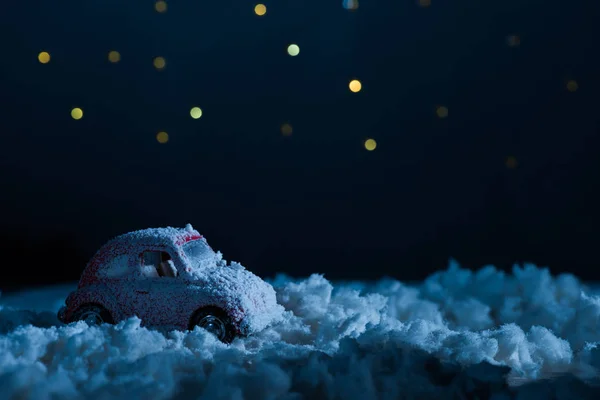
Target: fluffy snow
{"x": 457, "y": 335}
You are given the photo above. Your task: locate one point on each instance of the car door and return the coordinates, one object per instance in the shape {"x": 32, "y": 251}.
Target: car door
{"x": 164, "y": 290}
{"x": 141, "y": 289}
{"x": 167, "y": 295}
{"x": 121, "y": 280}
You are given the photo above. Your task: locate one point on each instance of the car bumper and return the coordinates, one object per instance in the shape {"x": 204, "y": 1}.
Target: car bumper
{"x": 61, "y": 314}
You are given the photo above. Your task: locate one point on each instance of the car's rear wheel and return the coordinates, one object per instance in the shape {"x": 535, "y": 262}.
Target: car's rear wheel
{"x": 92, "y": 314}
{"x": 215, "y": 321}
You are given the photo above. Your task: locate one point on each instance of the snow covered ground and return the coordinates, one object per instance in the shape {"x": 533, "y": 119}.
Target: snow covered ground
{"x": 457, "y": 335}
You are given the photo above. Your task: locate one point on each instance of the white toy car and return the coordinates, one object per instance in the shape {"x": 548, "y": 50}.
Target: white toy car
{"x": 171, "y": 277}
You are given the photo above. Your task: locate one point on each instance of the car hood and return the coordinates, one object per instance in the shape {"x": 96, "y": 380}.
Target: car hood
{"x": 249, "y": 300}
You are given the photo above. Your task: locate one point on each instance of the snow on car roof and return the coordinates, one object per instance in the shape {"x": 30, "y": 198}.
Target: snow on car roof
{"x": 158, "y": 236}
{"x": 134, "y": 241}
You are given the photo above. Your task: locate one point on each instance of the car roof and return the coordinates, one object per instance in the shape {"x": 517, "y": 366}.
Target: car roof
{"x": 137, "y": 241}
{"x": 157, "y": 237}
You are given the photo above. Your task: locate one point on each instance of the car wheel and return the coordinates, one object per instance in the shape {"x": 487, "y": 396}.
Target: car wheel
{"x": 215, "y": 321}
{"x": 92, "y": 314}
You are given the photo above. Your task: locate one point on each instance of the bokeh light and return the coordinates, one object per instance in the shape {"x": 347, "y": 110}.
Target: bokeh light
{"x": 370, "y": 144}
{"x": 196, "y": 112}
{"x": 77, "y": 113}
{"x": 442, "y": 112}
{"x": 424, "y": 3}
{"x": 162, "y": 137}
{"x": 44, "y": 57}
{"x": 114, "y": 57}
{"x": 159, "y": 63}
{"x": 572, "y": 86}
{"x": 160, "y": 6}
{"x": 513, "y": 40}
{"x": 293, "y": 50}
{"x": 286, "y": 129}
{"x": 511, "y": 162}
{"x": 350, "y": 4}
{"x": 355, "y": 85}
{"x": 260, "y": 10}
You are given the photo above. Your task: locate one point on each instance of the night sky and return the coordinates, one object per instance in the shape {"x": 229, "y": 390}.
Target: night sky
{"x": 485, "y": 116}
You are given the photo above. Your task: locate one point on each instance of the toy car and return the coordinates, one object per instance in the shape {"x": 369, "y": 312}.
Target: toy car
{"x": 171, "y": 277}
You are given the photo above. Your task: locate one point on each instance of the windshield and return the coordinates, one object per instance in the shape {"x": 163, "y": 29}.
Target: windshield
{"x": 199, "y": 253}
{"x": 197, "y": 249}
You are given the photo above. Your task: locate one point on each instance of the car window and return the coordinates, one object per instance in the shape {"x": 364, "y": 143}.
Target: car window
{"x": 157, "y": 264}
{"x": 198, "y": 249}
{"x": 116, "y": 268}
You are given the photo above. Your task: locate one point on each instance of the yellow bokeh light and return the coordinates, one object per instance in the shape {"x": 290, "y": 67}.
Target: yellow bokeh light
{"x": 114, "y": 57}
{"x": 44, "y": 57}
{"x": 162, "y": 137}
{"x": 511, "y": 162}
{"x": 442, "y": 112}
{"x": 513, "y": 40}
{"x": 424, "y": 3}
{"x": 196, "y": 112}
{"x": 293, "y": 50}
{"x": 572, "y": 86}
{"x": 286, "y": 129}
{"x": 350, "y": 4}
{"x": 370, "y": 144}
{"x": 160, "y": 63}
{"x": 77, "y": 113}
{"x": 355, "y": 85}
{"x": 160, "y": 6}
{"x": 260, "y": 10}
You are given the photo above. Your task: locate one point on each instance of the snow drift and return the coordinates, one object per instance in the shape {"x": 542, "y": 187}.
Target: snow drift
{"x": 458, "y": 335}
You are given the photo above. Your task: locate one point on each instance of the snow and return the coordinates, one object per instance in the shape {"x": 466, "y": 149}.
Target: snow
{"x": 459, "y": 334}
{"x": 159, "y": 236}
{"x": 234, "y": 285}
{"x": 168, "y": 238}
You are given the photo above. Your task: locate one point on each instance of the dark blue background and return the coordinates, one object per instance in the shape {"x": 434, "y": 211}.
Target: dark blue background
{"x": 316, "y": 201}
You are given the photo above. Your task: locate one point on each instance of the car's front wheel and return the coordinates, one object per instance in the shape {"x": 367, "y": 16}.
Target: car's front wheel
{"x": 92, "y": 314}
{"x": 215, "y": 321}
